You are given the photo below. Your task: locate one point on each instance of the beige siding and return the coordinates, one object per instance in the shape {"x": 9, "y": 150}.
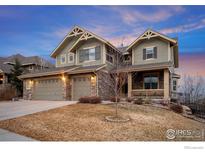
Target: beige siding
{"x": 65, "y": 51}
{"x": 162, "y": 51}
{"x": 90, "y": 43}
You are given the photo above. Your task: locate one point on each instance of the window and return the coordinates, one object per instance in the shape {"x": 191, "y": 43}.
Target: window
{"x": 151, "y": 82}
{"x": 30, "y": 67}
{"x": 89, "y": 54}
{"x": 174, "y": 85}
{"x": 63, "y": 59}
{"x": 150, "y": 53}
{"x": 109, "y": 58}
{"x": 70, "y": 58}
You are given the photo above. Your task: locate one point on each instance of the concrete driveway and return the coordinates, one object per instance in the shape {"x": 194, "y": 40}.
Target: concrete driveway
{"x": 9, "y": 110}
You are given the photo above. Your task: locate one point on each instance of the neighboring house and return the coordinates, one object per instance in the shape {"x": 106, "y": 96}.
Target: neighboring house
{"x": 82, "y": 56}
{"x": 29, "y": 64}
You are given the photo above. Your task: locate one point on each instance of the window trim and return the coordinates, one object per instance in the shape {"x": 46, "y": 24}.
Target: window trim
{"x": 150, "y": 47}
{"x": 174, "y": 85}
{"x": 110, "y": 56}
{"x": 90, "y": 60}
{"x": 149, "y": 75}
{"x": 70, "y": 54}
{"x": 63, "y": 55}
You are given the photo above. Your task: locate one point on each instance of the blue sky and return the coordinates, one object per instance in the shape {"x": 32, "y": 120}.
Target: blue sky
{"x": 37, "y": 30}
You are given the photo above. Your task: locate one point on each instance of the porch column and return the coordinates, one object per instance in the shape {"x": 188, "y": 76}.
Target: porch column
{"x": 166, "y": 84}
{"x": 129, "y": 84}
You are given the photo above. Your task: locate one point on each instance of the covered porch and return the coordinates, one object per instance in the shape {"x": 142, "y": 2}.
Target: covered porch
{"x": 150, "y": 83}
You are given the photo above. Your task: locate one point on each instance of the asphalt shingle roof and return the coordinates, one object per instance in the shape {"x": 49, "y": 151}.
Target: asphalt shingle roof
{"x": 5, "y": 67}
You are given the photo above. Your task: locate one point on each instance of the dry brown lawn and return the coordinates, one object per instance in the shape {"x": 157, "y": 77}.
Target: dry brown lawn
{"x": 86, "y": 122}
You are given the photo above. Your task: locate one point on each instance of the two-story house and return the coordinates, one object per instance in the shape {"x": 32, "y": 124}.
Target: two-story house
{"x": 82, "y": 56}
{"x": 29, "y": 64}
{"x": 79, "y": 58}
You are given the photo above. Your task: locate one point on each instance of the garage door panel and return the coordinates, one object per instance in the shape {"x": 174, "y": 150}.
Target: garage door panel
{"x": 81, "y": 87}
{"x": 48, "y": 89}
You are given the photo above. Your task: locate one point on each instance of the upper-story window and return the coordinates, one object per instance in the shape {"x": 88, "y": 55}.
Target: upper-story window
{"x": 89, "y": 54}
{"x": 109, "y": 58}
{"x": 63, "y": 59}
{"x": 70, "y": 58}
{"x": 30, "y": 67}
{"x": 149, "y": 53}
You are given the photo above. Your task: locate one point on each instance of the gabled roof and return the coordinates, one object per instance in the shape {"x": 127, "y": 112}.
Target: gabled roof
{"x": 75, "y": 31}
{"x": 87, "y": 35}
{"x": 150, "y": 34}
{"x": 82, "y": 34}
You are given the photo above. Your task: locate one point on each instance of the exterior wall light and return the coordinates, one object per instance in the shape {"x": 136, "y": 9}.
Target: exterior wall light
{"x": 63, "y": 78}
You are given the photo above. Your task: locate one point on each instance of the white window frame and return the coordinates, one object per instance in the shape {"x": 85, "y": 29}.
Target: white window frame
{"x": 174, "y": 80}
{"x": 70, "y": 54}
{"x": 63, "y": 56}
{"x": 89, "y": 48}
{"x": 152, "y": 52}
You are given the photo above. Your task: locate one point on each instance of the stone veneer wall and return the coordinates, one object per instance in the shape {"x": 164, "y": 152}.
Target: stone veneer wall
{"x": 67, "y": 89}
{"x": 104, "y": 90}
{"x": 27, "y": 93}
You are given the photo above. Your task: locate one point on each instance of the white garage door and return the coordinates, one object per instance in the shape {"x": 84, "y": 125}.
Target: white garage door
{"x": 81, "y": 87}
{"x": 48, "y": 89}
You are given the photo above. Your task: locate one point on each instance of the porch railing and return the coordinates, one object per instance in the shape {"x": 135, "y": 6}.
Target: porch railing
{"x": 148, "y": 92}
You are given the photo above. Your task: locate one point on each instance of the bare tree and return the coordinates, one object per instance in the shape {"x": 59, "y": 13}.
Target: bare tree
{"x": 114, "y": 80}
{"x": 193, "y": 89}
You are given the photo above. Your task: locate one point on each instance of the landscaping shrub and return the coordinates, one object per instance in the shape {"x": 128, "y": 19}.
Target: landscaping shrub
{"x": 176, "y": 108}
{"x": 7, "y": 94}
{"x": 90, "y": 99}
{"x": 113, "y": 99}
{"x": 138, "y": 101}
{"x": 129, "y": 99}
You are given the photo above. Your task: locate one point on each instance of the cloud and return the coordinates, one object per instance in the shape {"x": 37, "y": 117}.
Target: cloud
{"x": 131, "y": 16}
{"x": 185, "y": 28}
{"x": 127, "y": 39}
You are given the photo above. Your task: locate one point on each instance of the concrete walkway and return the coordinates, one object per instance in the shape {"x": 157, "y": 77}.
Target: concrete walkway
{"x": 9, "y": 136}
{"x": 9, "y": 110}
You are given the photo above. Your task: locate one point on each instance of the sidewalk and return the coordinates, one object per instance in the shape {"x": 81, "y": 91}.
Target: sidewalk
{"x": 9, "y": 136}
